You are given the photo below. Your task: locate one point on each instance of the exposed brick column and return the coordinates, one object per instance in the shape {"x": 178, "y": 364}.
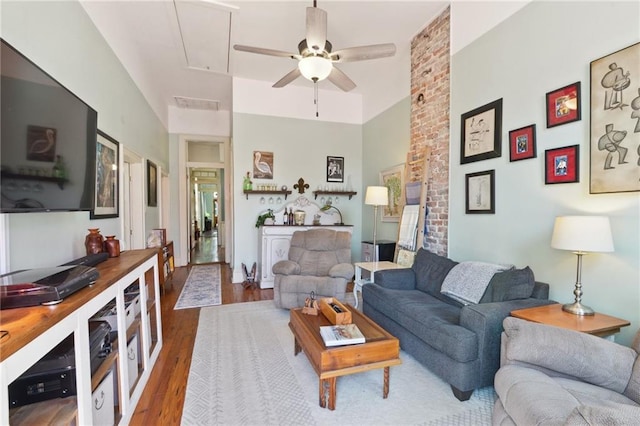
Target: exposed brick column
{"x": 430, "y": 81}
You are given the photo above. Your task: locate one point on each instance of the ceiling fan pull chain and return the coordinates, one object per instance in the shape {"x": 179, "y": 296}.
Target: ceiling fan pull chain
{"x": 315, "y": 96}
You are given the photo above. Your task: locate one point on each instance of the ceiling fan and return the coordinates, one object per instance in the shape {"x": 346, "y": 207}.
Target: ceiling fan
{"x": 316, "y": 58}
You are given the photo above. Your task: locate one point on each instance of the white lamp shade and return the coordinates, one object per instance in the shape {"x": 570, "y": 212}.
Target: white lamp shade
{"x": 377, "y": 196}
{"x": 582, "y": 234}
{"x": 315, "y": 68}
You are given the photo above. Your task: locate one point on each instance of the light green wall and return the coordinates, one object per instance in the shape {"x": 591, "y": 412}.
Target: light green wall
{"x": 300, "y": 149}
{"x": 386, "y": 139}
{"x": 60, "y": 38}
{"x": 520, "y": 61}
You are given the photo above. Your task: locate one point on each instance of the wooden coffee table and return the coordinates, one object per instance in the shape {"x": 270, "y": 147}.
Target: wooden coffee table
{"x": 381, "y": 350}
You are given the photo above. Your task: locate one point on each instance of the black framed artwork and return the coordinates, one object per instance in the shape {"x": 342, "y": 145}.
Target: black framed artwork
{"x": 522, "y": 143}
{"x": 152, "y": 184}
{"x": 562, "y": 165}
{"x": 480, "y": 192}
{"x": 481, "y": 133}
{"x": 335, "y": 169}
{"x": 105, "y": 201}
{"x": 563, "y": 105}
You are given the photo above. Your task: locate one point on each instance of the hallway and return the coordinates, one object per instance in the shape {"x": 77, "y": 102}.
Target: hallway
{"x": 207, "y": 249}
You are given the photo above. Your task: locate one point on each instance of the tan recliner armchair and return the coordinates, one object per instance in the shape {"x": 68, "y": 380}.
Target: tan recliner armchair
{"x": 319, "y": 261}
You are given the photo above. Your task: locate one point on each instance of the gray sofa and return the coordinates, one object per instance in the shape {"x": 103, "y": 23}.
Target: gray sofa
{"x": 459, "y": 343}
{"x": 555, "y": 376}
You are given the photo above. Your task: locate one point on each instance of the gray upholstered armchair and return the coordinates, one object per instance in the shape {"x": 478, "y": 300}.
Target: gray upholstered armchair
{"x": 319, "y": 261}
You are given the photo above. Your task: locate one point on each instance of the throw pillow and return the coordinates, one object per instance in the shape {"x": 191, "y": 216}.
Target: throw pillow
{"x": 430, "y": 270}
{"x": 510, "y": 285}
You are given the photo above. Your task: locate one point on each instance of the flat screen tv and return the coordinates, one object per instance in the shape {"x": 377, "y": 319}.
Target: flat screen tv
{"x": 47, "y": 140}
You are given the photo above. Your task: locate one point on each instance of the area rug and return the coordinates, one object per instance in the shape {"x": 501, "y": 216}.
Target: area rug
{"x": 243, "y": 372}
{"x": 202, "y": 288}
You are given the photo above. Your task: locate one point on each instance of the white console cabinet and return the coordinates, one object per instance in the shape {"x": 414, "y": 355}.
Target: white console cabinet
{"x": 32, "y": 332}
{"x": 274, "y": 246}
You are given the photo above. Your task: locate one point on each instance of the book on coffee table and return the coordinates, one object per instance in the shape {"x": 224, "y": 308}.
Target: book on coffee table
{"x": 338, "y": 335}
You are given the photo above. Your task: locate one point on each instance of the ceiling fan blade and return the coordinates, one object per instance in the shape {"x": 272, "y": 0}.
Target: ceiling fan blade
{"x": 262, "y": 51}
{"x": 341, "y": 80}
{"x": 363, "y": 53}
{"x": 316, "y": 29}
{"x": 295, "y": 73}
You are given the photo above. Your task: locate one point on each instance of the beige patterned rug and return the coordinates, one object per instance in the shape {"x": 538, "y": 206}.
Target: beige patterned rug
{"x": 202, "y": 288}
{"x": 243, "y": 372}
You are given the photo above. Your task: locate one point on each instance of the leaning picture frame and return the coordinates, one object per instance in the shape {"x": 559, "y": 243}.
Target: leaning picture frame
{"x": 152, "y": 184}
{"x": 562, "y": 165}
{"x": 107, "y": 180}
{"x": 393, "y": 179}
{"x": 614, "y": 122}
{"x": 563, "y": 105}
{"x": 481, "y": 133}
{"x": 480, "y": 192}
{"x": 335, "y": 169}
{"x": 522, "y": 143}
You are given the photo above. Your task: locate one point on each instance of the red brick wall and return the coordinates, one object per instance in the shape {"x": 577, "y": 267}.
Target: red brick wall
{"x": 430, "y": 64}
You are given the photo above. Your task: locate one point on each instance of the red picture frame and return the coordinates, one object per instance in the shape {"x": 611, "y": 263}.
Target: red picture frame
{"x": 564, "y": 105}
{"x": 562, "y": 165}
{"x": 522, "y": 143}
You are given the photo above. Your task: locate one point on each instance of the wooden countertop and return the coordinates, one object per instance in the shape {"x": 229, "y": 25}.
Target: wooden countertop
{"x": 25, "y": 324}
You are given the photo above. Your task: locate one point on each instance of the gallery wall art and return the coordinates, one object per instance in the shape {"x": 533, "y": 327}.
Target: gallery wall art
{"x": 615, "y": 122}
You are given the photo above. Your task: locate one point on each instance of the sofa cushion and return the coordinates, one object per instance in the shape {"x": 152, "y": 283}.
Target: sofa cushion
{"x": 605, "y": 413}
{"x": 430, "y": 270}
{"x": 510, "y": 285}
{"x": 607, "y": 364}
{"x": 633, "y": 387}
{"x": 427, "y": 318}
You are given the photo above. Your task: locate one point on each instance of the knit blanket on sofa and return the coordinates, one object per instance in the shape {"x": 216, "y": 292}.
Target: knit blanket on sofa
{"x": 467, "y": 281}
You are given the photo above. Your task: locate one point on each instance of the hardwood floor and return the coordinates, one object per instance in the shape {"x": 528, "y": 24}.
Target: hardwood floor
{"x": 162, "y": 400}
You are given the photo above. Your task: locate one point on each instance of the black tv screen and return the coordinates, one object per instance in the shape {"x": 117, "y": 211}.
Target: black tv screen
{"x": 47, "y": 140}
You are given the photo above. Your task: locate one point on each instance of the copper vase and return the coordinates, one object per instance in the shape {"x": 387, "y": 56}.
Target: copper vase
{"x": 93, "y": 242}
{"x": 112, "y": 246}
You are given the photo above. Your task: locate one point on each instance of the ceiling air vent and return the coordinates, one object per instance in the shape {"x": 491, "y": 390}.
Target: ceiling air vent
{"x": 196, "y": 103}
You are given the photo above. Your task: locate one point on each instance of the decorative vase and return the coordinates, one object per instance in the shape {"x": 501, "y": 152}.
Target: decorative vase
{"x": 112, "y": 246}
{"x": 93, "y": 242}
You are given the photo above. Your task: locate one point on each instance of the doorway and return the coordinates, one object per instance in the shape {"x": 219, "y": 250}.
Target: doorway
{"x": 206, "y": 189}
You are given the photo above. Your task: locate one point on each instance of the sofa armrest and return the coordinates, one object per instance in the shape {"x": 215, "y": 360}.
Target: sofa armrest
{"x": 570, "y": 353}
{"x": 286, "y": 267}
{"x": 485, "y": 320}
{"x": 396, "y": 279}
{"x": 342, "y": 270}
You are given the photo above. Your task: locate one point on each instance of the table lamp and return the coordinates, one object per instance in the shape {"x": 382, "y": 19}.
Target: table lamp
{"x": 328, "y": 205}
{"x": 581, "y": 235}
{"x": 376, "y": 196}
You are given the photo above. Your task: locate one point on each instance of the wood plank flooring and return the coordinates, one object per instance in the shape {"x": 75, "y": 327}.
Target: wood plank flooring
{"x": 162, "y": 400}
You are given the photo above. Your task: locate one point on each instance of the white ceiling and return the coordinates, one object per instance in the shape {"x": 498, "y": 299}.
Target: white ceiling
{"x": 165, "y": 45}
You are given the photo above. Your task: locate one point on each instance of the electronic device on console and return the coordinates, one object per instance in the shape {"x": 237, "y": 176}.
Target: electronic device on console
{"x": 44, "y": 285}
{"x": 89, "y": 260}
{"x": 54, "y": 376}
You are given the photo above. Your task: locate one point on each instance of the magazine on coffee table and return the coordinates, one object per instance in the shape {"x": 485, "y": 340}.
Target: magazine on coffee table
{"x": 338, "y": 335}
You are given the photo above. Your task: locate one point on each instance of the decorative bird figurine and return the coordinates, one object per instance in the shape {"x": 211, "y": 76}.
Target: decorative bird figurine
{"x": 261, "y": 166}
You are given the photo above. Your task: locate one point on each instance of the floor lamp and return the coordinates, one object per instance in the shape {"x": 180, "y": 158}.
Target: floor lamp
{"x": 581, "y": 235}
{"x": 376, "y": 196}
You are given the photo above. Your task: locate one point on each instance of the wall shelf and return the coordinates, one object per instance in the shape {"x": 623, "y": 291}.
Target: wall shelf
{"x": 345, "y": 193}
{"x": 17, "y": 176}
{"x": 247, "y": 192}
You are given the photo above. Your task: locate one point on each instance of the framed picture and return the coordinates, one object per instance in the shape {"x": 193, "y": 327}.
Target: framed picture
{"x": 393, "y": 179}
{"x": 562, "y": 165}
{"x": 157, "y": 238}
{"x": 262, "y": 165}
{"x": 480, "y": 192}
{"x": 522, "y": 143}
{"x": 41, "y": 143}
{"x": 481, "y": 133}
{"x": 335, "y": 169}
{"x": 563, "y": 105}
{"x": 152, "y": 184}
{"x": 615, "y": 122}
{"x": 105, "y": 202}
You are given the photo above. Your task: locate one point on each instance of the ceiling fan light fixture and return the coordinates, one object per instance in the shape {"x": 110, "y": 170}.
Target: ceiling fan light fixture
{"x": 315, "y": 68}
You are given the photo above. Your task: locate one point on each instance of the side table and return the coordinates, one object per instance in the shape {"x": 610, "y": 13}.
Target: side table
{"x": 372, "y": 267}
{"x": 600, "y": 325}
